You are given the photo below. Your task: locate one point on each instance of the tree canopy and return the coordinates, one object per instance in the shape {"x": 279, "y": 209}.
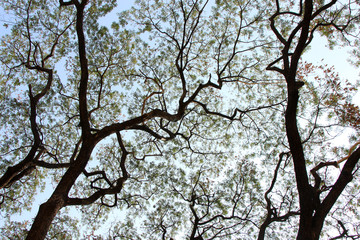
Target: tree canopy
{"x": 180, "y": 119}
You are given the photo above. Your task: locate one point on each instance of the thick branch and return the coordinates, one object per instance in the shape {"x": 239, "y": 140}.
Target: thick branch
{"x": 113, "y": 189}
{"x": 83, "y": 87}
{"x": 344, "y": 178}
{"x": 23, "y": 168}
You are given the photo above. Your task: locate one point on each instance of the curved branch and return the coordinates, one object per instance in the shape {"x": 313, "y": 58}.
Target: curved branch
{"x": 68, "y": 3}
{"x": 26, "y": 166}
{"x": 101, "y": 192}
{"x": 344, "y": 178}
{"x": 237, "y": 110}
{"x": 271, "y": 214}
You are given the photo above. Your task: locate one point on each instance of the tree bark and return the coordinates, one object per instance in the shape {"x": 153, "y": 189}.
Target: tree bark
{"x": 44, "y": 218}
{"x": 305, "y": 191}
{"x": 263, "y": 227}
{"x": 58, "y": 199}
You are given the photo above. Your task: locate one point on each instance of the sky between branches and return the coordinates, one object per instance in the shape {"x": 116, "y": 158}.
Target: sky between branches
{"x": 318, "y": 54}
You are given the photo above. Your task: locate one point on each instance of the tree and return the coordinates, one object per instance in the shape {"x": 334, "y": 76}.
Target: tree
{"x": 313, "y": 207}
{"x": 153, "y": 110}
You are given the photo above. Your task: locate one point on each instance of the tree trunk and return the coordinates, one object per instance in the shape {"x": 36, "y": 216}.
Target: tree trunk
{"x": 58, "y": 199}
{"x": 305, "y": 230}
{"x": 44, "y": 218}
{"x": 262, "y": 230}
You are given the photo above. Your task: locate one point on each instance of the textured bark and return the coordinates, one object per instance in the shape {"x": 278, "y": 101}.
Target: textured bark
{"x": 44, "y": 218}
{"x": 15, "y": 172}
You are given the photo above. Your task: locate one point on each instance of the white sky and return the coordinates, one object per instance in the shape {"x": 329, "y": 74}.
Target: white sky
{"x": 339, "y": 58}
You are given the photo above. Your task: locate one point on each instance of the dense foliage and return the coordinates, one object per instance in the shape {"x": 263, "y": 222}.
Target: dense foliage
{"x": 190, "y": 119}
